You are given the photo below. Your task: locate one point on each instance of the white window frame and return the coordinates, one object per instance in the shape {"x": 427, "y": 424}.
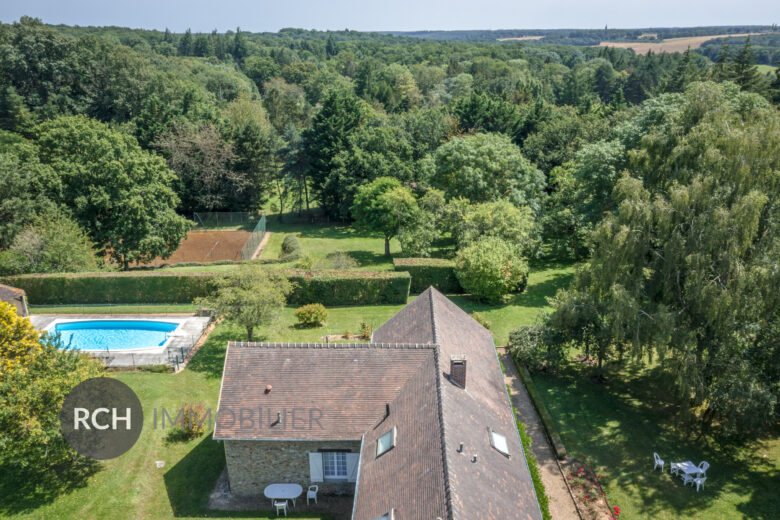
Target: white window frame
{"x": 393, "y": 433}
{"x": 337, "y": 464}
{"x": 496, "y": 439}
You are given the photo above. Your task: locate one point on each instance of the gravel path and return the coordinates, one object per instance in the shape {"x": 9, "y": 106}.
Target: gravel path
{"x": 561, "y": 504}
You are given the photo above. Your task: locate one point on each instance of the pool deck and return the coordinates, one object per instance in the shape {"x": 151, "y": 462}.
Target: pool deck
{"x": 182, "y": 340}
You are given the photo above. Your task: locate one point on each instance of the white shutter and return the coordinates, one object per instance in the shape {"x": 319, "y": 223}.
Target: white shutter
{"x": 315, "y": 466}
{"x": 353, "y": 459}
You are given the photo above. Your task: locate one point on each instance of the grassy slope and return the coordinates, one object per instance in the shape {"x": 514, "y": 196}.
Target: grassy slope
{"x": 618, "y": 426}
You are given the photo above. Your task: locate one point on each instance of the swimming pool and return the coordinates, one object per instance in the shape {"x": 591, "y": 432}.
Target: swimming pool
{"x": 113, "y": 334}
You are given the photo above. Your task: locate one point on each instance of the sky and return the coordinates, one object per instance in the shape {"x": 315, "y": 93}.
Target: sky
{"x": 393, "y": 15}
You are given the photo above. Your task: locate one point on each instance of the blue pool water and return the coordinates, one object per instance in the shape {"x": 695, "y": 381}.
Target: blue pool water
{"x": 113, "y": 335}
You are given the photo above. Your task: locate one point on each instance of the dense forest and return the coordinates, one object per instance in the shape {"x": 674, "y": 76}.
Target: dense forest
{"x": 112, "y": 137}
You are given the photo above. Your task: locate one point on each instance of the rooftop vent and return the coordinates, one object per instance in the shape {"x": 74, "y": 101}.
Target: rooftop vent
{"x": 458, "y": 370}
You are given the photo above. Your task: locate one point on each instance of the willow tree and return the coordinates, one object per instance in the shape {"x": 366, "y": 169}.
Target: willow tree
{"x": 687, "y": 266}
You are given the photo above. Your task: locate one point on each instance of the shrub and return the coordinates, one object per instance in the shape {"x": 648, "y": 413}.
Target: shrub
{"x": 312, "y": 315}
{"x": 500, "y": 219}
{"x": 365, "y": 331}
{"x": 481, "y": 319}
{"x": 341, "y": 260}
{"x": 52, "y": 244}
{"x": 490, "y": 269}
{"x": 305, "y": 262}
{"x": 536, "y": 348}
{"x": 194, "y": 419}
{"x": 191, "y": 422}
{"x": 291, "y": 248}
{"x": 425, "y": 272}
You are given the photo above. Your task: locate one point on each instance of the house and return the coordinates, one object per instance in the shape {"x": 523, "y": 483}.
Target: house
{"x": 416, "y": 424}
{"x": 15, "y": 297}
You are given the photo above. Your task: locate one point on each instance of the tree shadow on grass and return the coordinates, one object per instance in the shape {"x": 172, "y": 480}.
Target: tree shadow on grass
{"x": 190, "y": 481}
{"x": 616, "y": 432}
{"x": 26, "y": 489}
{"x": 370, "y": 258}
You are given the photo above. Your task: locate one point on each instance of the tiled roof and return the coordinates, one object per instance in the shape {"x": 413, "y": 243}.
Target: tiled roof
{"x": 10, "y": 293}
{"x": 406, "y": 366}
{"x": 410, "y": 477}
{"x": 331, "y": 391}
{"x": 494, "y": 486}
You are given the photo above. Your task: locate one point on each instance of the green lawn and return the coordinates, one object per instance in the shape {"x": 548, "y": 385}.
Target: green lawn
{"x": 131, "y": 485}
{"x": 320, "y": 240}
{"x": 618, "y": 426}
{"x": 765, "y": 69}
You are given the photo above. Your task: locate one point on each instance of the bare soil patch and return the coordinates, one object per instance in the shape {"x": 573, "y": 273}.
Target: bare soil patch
{"x": 206, "y": 246}
{"x": 670, "y": 44}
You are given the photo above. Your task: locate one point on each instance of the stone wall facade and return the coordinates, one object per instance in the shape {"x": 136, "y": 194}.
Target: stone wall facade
{"x": 252, "y": 465}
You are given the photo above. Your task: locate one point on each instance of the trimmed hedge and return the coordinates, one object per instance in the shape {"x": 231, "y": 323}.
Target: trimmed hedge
{"x": 325, "y": 287}
{"x": 132, "y": 287}
{"x": 541, "y": 409}
{"x": 430, "y": 271}
{"x": 349, "y": 287}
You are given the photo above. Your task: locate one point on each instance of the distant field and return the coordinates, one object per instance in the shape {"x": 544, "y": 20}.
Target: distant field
{"x": 670, "y": 44}
{"x": 520, "y": 38}
{"x": 765, "y": 69}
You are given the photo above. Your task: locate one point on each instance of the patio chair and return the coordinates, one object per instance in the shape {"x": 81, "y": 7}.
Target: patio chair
{"x": 699, "y": 482}
{"x": 687, "y": 478}
{"x": 658, "y": 462}
{"x": 674, "y": 468}
{"x": 280, "y": 505}
{"x": 312, "y": 494}
{"x": 703, "y": 467}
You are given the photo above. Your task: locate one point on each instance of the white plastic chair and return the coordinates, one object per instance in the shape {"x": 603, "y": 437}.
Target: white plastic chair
{"x": 699, "y": 482}
{"x": 312, "y": 494}
{"x": 658, "y": 462}
{"x": 674, "y": 467}
{"x": 703, "y": 467}
{"x": 280, "y": 505}
{"x": 687, "y": 478}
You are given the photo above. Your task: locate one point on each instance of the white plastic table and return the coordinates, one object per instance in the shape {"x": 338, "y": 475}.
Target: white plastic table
{"x": 688, "y": 467}
{"x": 283, "y": 492}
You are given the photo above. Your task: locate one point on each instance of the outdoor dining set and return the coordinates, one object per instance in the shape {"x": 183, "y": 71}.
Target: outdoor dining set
{"x": 687, "y": 471}
{"x": 282, "y": 494}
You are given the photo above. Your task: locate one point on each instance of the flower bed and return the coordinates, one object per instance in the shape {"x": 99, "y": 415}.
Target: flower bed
{"x": 587, "y": 488}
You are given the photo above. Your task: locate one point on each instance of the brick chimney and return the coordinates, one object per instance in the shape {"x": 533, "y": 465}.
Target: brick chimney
{"x": 458, "y": 370}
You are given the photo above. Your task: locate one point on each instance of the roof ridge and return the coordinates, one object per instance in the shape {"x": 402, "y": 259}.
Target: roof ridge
{"x": 433, "y": 316}
{"x": 398, "y": 346}
{"x": 440, "y": 408}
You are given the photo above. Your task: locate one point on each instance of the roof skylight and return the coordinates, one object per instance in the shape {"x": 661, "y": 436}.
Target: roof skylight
{"x": 386, "y": 442}
{"x": 498, "y": 442}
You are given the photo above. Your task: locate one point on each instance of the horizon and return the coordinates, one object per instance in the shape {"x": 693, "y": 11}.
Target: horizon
{"x": 403, "y": 16}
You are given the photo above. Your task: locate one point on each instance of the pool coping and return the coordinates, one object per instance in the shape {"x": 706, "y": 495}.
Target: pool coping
{"x": 155, "y": 350}
{"x": 172, "y": 353}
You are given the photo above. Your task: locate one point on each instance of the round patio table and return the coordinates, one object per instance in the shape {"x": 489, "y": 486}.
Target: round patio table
{"x": 283, "y": 492}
